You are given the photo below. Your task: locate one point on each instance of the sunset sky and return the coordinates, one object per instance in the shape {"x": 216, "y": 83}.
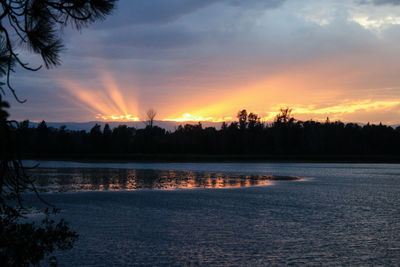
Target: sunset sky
{"x": 205, "y": 60}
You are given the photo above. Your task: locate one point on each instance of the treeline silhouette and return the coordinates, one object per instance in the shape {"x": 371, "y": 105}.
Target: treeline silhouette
{"x": 247, "y": 135}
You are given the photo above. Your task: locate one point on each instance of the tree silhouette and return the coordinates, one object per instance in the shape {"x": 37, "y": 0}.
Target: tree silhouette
{"x": 107, "y": 130}
{"x": 242, "y": 117}
{"x": 150, "y": 114}
{"x": 35, "y": 25}
{"x": 254, "y": 120}
{"x": 285, "y": 117}
{"x": 296, "y": 139}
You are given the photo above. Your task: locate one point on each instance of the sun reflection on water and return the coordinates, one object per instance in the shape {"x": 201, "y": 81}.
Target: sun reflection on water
{"x": 95, "y": 179}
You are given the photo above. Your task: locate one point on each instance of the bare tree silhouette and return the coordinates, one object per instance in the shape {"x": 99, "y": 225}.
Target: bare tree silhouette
{"x": 150, "y": 114}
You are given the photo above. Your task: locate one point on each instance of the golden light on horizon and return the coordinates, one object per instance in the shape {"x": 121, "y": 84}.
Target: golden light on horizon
{"x": 314, "y": 90}
{"x": 295, "y": 89}
{"x": 187, "y": 117}
{"x": 117, "y": 117}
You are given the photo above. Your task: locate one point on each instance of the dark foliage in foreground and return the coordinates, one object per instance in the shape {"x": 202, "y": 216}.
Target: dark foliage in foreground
{"x": 286, "y": 136}
{"x": 23, "y": 241}
{"x": 28, "y": 243}
{"x": 35, "y": 26}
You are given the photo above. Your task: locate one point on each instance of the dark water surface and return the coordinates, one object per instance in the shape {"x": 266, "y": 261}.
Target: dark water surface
{"x": 344, "y": 214}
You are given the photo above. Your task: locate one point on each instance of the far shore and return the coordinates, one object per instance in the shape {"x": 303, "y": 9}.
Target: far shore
{"x": 152, "y": 158}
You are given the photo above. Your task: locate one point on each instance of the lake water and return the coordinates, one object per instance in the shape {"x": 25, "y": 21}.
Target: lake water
{"x": 113, "y": 179}
{"x": 341, "y": 214}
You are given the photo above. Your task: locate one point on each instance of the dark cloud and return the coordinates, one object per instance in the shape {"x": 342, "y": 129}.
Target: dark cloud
{"x": 140, "y": 42}
{"x": 381, "y": 2}
{"x": 144, "y": 29}
{"x": 136, "y": 12}
{"x": 257, "y": 3}
{"x": 152, "y": 37}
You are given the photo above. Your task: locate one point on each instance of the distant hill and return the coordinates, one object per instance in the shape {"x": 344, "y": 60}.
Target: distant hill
{"x": 168, "y": 125}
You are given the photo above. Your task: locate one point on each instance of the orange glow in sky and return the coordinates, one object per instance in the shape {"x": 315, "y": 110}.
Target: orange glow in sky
{"x": 315, "y": 90}
{"x": 106, "y": 103}
{"x": 264, "y": 98}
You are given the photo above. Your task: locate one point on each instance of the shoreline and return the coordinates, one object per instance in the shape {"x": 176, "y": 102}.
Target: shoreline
{"x": 205, "y": 158}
